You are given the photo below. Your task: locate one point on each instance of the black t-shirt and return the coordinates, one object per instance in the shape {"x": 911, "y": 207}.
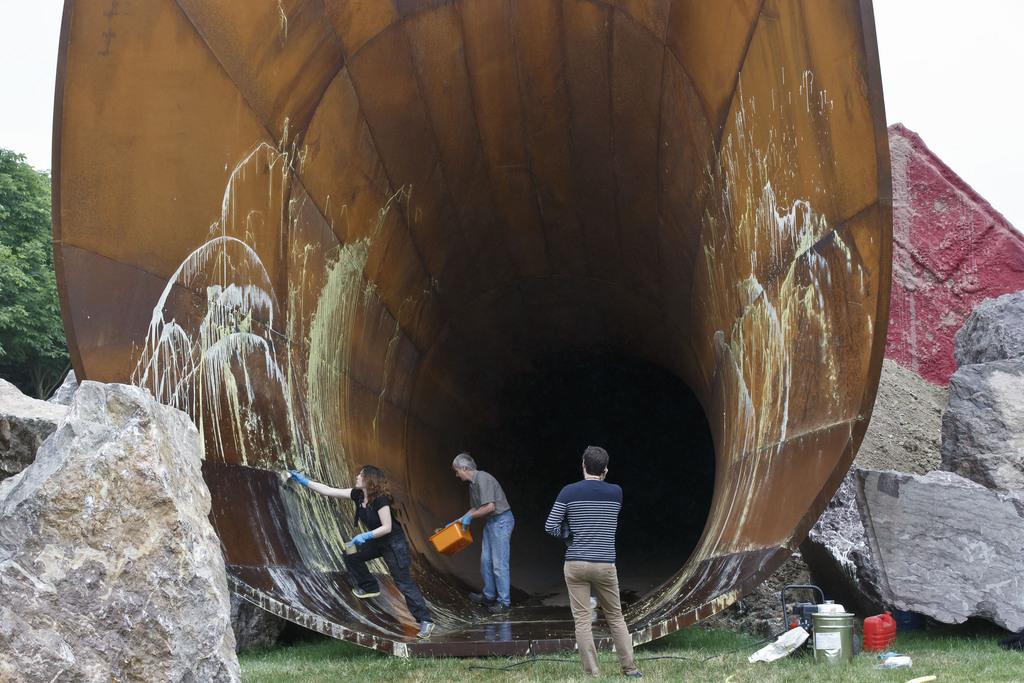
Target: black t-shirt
{"x": 370, "y": 515}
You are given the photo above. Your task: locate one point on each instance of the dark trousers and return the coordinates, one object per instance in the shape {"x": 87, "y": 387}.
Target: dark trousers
{"x": 394, "y": 550}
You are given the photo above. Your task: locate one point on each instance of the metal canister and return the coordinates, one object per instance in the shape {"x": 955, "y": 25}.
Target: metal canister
{"x": 833, "y": 637}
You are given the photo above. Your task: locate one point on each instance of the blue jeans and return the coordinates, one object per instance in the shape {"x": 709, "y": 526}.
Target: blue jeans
{"x": 494, "y": 556}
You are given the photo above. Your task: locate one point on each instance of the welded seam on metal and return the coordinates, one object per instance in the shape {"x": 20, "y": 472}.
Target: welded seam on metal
{"x": 679, "y": 61}
{"x": 301, "y": 134}
{"x": 707, "y": 119}
{"x": 797, "y": 437}
{"x": 844, "y": 225}
{"x": 163, "y": 279}
{"x": 563, "y": 39}
{"x": 430, "y": 7}
{"x": 822, "y": 136}
{"x": 611, "y": 139}
{"x": 293, "y": 172}
{"x": 525, "y": 120}
{"x": 739, "y": 70}
{"x": 403, "y": 212}
{"x": 500, "y": 231}
{"x": 438, "y": 158}
{"x": 658, "y": 189}
{"x": 784, "y": 267}
{"x": 659, "y": 172}
{"x": 199, "y": 298}
{"x": 271, "y": 140}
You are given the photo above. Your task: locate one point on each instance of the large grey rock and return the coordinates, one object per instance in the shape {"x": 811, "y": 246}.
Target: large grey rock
{"x": 24, "y": 425}
{"x": 66, "y": 391}
{"x": 993, "y": 331}
{"x": 946, "y": 546}
{"x": 109, "y": 567}
{"x": 983, "y": 427}
{"x": 253, "y": 626}
{"x": 904, "y": 434}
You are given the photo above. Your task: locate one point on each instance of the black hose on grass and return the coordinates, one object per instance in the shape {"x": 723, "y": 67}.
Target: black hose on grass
{"x": 640, "y": 659}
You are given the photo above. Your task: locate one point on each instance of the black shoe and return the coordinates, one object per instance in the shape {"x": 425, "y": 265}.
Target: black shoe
{"x": 479, "y": 599}
{"x": 365, "y": 595}
{"x": 497, "y": 608}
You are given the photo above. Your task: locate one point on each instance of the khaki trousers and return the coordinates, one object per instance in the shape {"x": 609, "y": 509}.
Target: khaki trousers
{"x": 580, "y": 578}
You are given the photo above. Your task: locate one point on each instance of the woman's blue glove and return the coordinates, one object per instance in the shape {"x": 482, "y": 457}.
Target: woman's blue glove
{"x": 466, "y": 519}
{"x": 299, "y": 477}
{"x": 363, "y": 537}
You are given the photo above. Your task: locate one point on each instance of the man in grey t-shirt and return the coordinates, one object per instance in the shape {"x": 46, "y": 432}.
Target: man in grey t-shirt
{"x": 487, "y": 500}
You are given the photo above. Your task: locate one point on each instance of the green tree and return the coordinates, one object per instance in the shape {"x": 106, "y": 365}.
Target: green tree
{"x": 33, "y": 353}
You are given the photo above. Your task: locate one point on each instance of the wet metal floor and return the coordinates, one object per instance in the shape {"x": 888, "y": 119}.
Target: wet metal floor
{"x": 523, "y": 630}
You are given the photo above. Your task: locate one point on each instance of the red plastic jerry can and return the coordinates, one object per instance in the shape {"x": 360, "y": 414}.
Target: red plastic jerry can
{"x": 879, "y": 632}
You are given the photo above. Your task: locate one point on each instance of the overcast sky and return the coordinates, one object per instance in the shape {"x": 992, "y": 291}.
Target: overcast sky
{"x": 948, "y": 69}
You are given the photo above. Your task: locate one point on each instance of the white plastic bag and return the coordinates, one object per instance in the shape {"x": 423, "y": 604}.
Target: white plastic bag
{"x": 784, "y": 645}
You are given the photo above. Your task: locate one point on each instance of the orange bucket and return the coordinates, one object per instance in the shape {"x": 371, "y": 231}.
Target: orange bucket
{"x": 451, "y": 539}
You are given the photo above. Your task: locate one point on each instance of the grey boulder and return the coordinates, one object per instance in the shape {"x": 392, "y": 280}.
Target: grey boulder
{"x": 983, "y": 427}
{"x": 993, "y": 331}
{"x": 24, "y": 425}
{"x": 254, "y": 626}
{"x": 946, "y": 546}
{"x": 66, "y": 391}
{"x": 109, "y": 567}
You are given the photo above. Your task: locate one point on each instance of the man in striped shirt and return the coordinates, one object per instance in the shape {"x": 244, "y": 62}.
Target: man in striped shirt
{"x": 586, "y": 515}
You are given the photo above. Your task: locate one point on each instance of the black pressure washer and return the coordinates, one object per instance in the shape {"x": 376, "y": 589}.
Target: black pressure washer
{"x": 834, "y": 623}
{"x": 800, "y": 615}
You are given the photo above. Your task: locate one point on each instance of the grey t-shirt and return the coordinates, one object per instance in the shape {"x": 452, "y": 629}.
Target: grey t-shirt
{"x": 485, "y": 489}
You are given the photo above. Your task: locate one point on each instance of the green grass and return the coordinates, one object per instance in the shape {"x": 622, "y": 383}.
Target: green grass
{"x": 947, "y": 655}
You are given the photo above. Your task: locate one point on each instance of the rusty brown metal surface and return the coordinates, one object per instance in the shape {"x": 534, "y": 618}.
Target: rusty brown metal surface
{"x": 334, "y": 231}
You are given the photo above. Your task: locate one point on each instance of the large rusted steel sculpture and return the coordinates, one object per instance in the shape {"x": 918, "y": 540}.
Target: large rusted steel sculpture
{"x": 335, "y": 231}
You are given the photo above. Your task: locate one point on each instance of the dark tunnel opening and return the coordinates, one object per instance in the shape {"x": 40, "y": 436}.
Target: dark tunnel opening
{"x": 661, "y": 454}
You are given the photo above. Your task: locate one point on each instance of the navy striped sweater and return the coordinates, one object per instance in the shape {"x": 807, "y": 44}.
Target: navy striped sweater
{"x": 590, "y": 511}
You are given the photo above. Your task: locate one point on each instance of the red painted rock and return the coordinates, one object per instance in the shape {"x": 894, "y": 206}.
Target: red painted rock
{"x": 951, "y": 251}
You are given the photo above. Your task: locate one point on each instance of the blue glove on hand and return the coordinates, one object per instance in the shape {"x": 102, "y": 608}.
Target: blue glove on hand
{"x": 299, "y": 477}
{"x": 466, "y": 520}
{"x": 363, "y": 537}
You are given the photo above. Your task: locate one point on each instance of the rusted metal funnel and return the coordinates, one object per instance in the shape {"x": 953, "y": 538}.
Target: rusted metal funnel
{"x": 337, "y": 232}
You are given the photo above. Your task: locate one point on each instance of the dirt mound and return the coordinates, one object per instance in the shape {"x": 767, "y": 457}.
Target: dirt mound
{"x": 906, "y": 426}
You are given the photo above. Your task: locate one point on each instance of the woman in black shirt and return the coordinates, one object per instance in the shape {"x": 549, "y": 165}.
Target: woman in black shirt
{"x": 384, "y": 538}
